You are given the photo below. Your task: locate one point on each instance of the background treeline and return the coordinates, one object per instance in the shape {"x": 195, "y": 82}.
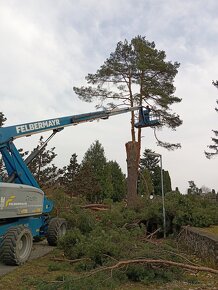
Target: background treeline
{"x": 96, "y": 179}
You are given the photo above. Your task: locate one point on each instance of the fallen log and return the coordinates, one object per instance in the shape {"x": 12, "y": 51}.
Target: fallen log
{"x": 99, "y": 209}
{"x": 159, "y": 262}
{"x": 95, "y": 205}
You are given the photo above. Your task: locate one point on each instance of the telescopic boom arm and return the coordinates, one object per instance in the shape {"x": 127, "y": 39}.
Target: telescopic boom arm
{"x": 28, "y": 129}
{"x": 16, "y": 167}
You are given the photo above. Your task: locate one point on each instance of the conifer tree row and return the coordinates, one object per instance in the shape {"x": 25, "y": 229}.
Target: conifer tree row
{"x": 95, "y": 178}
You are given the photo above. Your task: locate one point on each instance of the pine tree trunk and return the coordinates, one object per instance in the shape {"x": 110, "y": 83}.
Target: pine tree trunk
{"x": 132, "y": 150}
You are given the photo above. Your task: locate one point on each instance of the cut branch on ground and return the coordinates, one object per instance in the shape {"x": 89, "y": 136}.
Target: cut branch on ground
{"x": 123, "y": 263}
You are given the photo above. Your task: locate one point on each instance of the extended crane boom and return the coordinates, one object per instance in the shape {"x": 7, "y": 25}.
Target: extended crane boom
{"x": 28, "y": 129}
{"x": 24, "y": 209}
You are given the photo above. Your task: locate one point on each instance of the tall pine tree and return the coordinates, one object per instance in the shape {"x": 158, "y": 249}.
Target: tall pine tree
{"x": 135, "y": 74}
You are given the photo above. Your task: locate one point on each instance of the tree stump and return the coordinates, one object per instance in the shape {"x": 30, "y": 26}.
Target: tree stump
{"x": 132, "y": 151}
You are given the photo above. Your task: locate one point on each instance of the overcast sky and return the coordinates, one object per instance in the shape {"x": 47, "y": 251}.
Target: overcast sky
{"x": 49, "y": 46}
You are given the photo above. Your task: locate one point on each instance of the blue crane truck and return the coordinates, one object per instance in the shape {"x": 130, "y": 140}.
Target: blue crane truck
{"x": 24, "y": 208}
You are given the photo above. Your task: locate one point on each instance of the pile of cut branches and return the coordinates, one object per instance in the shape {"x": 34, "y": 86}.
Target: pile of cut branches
{"x": 105, "y": 248}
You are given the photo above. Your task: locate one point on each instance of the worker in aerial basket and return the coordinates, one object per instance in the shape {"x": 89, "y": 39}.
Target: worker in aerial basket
{"x": 147, "y": 113}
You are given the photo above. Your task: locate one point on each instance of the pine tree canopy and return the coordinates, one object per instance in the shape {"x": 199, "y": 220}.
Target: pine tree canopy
{"x": 135, "y": 74}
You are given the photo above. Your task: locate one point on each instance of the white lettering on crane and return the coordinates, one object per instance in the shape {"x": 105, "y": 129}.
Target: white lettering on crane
{"x": 37, "y": 126}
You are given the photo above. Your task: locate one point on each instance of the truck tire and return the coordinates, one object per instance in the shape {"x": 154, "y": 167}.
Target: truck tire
{"x": 57, "y": 228}
{"x": 16, "y": 246}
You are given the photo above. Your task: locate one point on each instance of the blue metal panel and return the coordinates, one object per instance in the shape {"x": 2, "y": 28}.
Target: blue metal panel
{"x": 36, "y": 225}
{"x": 15, "y": 164}
{"x": 7, "y": 158}
{"x": 47, "y": 205}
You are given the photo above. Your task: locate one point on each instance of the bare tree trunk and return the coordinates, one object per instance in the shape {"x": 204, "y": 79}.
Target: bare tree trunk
{"x": 132, "y": 150}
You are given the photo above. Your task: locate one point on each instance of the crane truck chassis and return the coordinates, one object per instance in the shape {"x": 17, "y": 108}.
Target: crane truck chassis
{"x": 24, "y": 208}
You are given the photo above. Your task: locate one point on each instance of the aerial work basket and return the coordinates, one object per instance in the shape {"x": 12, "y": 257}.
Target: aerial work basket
{"x": 147, "y": 118}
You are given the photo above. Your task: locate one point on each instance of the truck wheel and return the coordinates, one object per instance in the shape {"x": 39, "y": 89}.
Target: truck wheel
{"x": 16, "y": 246}
{"x": 57, "y": 228}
